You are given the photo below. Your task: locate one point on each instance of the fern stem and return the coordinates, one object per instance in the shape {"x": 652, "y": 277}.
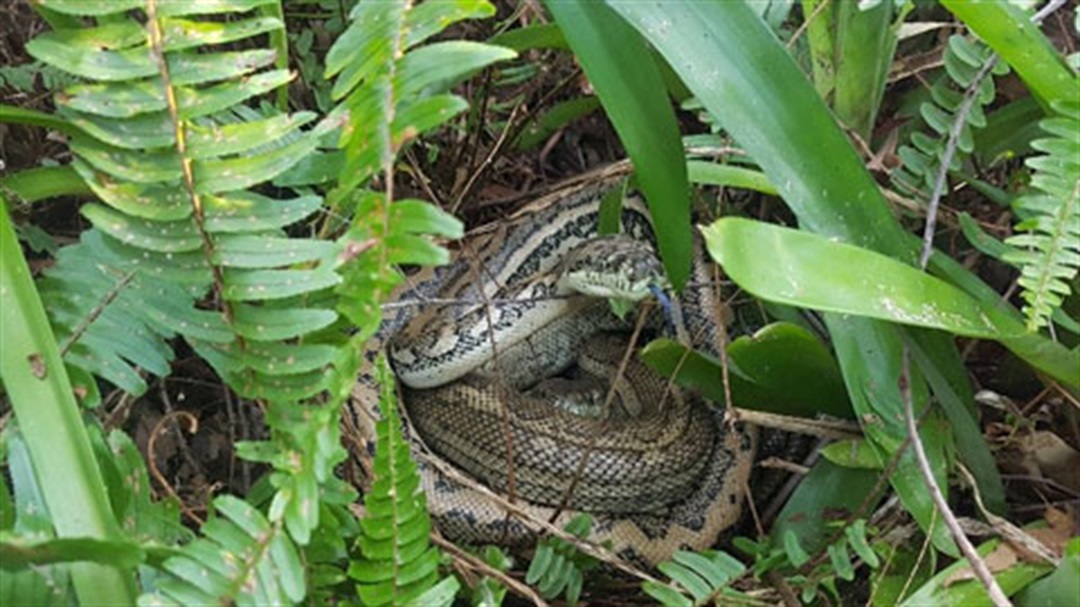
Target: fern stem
{"x": 941, "y": 179}
{"x": 158, "y": 51}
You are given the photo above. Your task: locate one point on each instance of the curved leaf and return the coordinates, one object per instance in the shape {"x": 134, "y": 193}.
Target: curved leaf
{"x": 632, "y": 91}
{"x": 803, "y": 269}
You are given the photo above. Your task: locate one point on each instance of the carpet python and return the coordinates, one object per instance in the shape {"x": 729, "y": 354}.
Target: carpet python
{"x": 662, "y": 471}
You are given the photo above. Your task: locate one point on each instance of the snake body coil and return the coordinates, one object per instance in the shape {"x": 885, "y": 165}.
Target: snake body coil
{"x": 669, "y": 475}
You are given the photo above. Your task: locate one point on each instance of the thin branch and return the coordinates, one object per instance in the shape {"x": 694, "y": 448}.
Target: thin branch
{"x": 959, "y": 120}
{"x": 478, "y": 564}
{"x": 588, "y": 547}
{"x": 978, "y": 566}
{"x": 940, "y": 180}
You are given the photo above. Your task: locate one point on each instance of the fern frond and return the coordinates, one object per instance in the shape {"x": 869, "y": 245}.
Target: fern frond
{"x": 383, "y": 83}
{"x": 1047, "y": 249}
{"x": 162, "y": 147}
{"x": 697, "y": 579}
{"x": 397, "y": 563}
{"x": 242, "y": 559}
{"x": 921, "y": 161}
{"x": 558, "y": 567}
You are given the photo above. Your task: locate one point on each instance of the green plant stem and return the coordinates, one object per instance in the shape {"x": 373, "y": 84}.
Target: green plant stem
{"x": 41, "y": 396}
{"x": 18, "y": 115}
{"x": 279, "y": 41}
{"x": 37, "y": 184}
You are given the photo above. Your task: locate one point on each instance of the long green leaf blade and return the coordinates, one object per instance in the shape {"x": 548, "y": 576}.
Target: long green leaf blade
{"x": 632, "y": 91}
{"x": 37, "y": 383}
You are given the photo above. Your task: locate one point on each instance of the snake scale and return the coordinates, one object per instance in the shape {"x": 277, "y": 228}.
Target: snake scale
{"x": 667, "y": 473}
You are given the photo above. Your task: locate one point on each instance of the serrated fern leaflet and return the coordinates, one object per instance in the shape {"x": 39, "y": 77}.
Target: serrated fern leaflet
{"x": 162, "y": 149}
{"x": 1047, "y": 247}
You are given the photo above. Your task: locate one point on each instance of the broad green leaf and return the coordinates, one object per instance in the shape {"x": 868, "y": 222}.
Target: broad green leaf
{"x": 19, "y": 115}
{"x": 17, "y": 554}
{"x": 32, "y": 185}
{"x": 1058, "y": 588}
{"x": 555, "y": 118}
{"x": 542, "y": 35}
{"x": 629, "y": 84}
{"x": 782, "y": 369}
{"x": 788, "y": 366}
{"x": 847, "y": 279}
{"x": 853, "y": 454}
{"x": 210, "y": 7}
{"x": 38, "y": 387}
{"x": 827, "y": 495}
{"x": 865, "y": 43}
{"x": 802, "y": 269}
{"x": 957, "y": 401}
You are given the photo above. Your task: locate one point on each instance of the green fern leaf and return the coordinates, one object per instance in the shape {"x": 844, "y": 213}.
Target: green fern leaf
{"x": 558, "y": 567}
{"x": 396, "y": 564}
{"x": 921, "y": 160}
{"x": 697, "y": 579}
{"x": 380, "y": 80}
{"x": 1047, "y": 247}
{"x": 243, "y": 558}
{"x": 170, "y": 151}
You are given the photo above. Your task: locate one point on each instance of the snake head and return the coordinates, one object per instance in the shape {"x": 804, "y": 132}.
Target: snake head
{"x": 614, "y": 266}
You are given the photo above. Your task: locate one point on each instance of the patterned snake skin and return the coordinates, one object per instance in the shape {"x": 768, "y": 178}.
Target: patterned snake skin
{"x": 668, "y": 475}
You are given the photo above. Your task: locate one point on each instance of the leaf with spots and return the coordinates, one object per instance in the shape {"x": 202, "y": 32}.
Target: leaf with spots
{"x": 242, "y": 558}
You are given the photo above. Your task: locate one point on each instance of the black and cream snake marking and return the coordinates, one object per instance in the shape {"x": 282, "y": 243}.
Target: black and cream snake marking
{"x": 665, "y": 473}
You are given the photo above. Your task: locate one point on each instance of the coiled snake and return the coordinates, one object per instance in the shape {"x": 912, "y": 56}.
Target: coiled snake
{"x": 660, "y": 471}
